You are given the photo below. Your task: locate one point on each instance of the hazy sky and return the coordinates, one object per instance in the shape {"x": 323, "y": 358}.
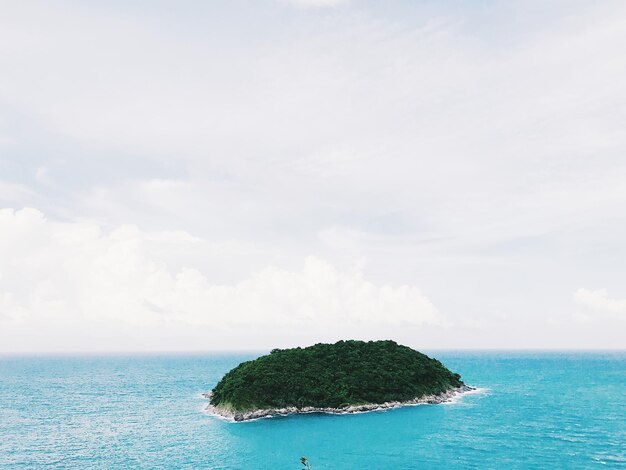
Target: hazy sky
{"x": 196, "y": 175}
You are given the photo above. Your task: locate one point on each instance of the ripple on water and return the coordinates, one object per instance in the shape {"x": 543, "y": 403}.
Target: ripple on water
{"x": 146, "y": 412}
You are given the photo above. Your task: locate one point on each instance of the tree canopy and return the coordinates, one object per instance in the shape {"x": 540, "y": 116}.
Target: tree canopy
{"x": 333, "y": 376}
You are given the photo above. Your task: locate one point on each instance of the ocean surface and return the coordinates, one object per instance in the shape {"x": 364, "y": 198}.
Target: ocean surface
{"x": 538, "y": 410}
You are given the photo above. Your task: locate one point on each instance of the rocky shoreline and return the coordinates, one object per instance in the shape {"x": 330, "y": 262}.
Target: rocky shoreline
{"x": 238, "y": 416}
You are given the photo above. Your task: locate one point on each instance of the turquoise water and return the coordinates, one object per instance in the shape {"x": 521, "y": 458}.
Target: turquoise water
{"x": 541, "y": 410}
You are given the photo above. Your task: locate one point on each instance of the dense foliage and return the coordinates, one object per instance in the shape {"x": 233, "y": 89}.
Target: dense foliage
{"x": 333, "y": 375}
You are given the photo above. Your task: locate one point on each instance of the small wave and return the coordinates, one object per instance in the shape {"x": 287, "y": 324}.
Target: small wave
{"x": 478, "y": 391}
{"x": 456, "y": 399}
{"x": 218, "y": 416}
{"x": 612, "y": 459}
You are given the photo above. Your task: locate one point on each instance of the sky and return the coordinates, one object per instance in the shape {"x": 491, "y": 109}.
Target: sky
{"x": 244, "y": 175}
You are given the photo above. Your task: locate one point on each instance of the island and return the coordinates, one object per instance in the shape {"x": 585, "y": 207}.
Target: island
{"x": 344, "y": 377}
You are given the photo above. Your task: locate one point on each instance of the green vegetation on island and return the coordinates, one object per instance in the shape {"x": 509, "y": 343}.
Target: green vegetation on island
{"x": 333, "y": 376}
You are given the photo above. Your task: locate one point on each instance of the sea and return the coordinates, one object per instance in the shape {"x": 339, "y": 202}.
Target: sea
{"x": 543, "y": 410}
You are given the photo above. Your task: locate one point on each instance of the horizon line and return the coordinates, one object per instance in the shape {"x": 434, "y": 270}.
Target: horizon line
{"x": 225, "y": 352}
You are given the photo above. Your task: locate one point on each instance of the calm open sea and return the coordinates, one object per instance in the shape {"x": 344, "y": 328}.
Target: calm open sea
{"x": 540, "y": 410}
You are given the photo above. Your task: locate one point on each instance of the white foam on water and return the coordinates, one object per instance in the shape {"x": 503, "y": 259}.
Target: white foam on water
{"x": 457, "y": 398}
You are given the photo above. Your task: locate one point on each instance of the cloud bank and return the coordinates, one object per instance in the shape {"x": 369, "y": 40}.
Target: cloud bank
{"x": 68, "y": 271}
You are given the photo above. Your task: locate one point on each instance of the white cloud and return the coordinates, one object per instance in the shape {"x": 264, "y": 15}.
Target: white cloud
{"x": 598, "y": 303}
{"x": 64, "y": 272}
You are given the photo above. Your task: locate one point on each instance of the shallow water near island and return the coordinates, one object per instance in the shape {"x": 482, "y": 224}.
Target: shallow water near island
{"x": 540, "y": 410}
